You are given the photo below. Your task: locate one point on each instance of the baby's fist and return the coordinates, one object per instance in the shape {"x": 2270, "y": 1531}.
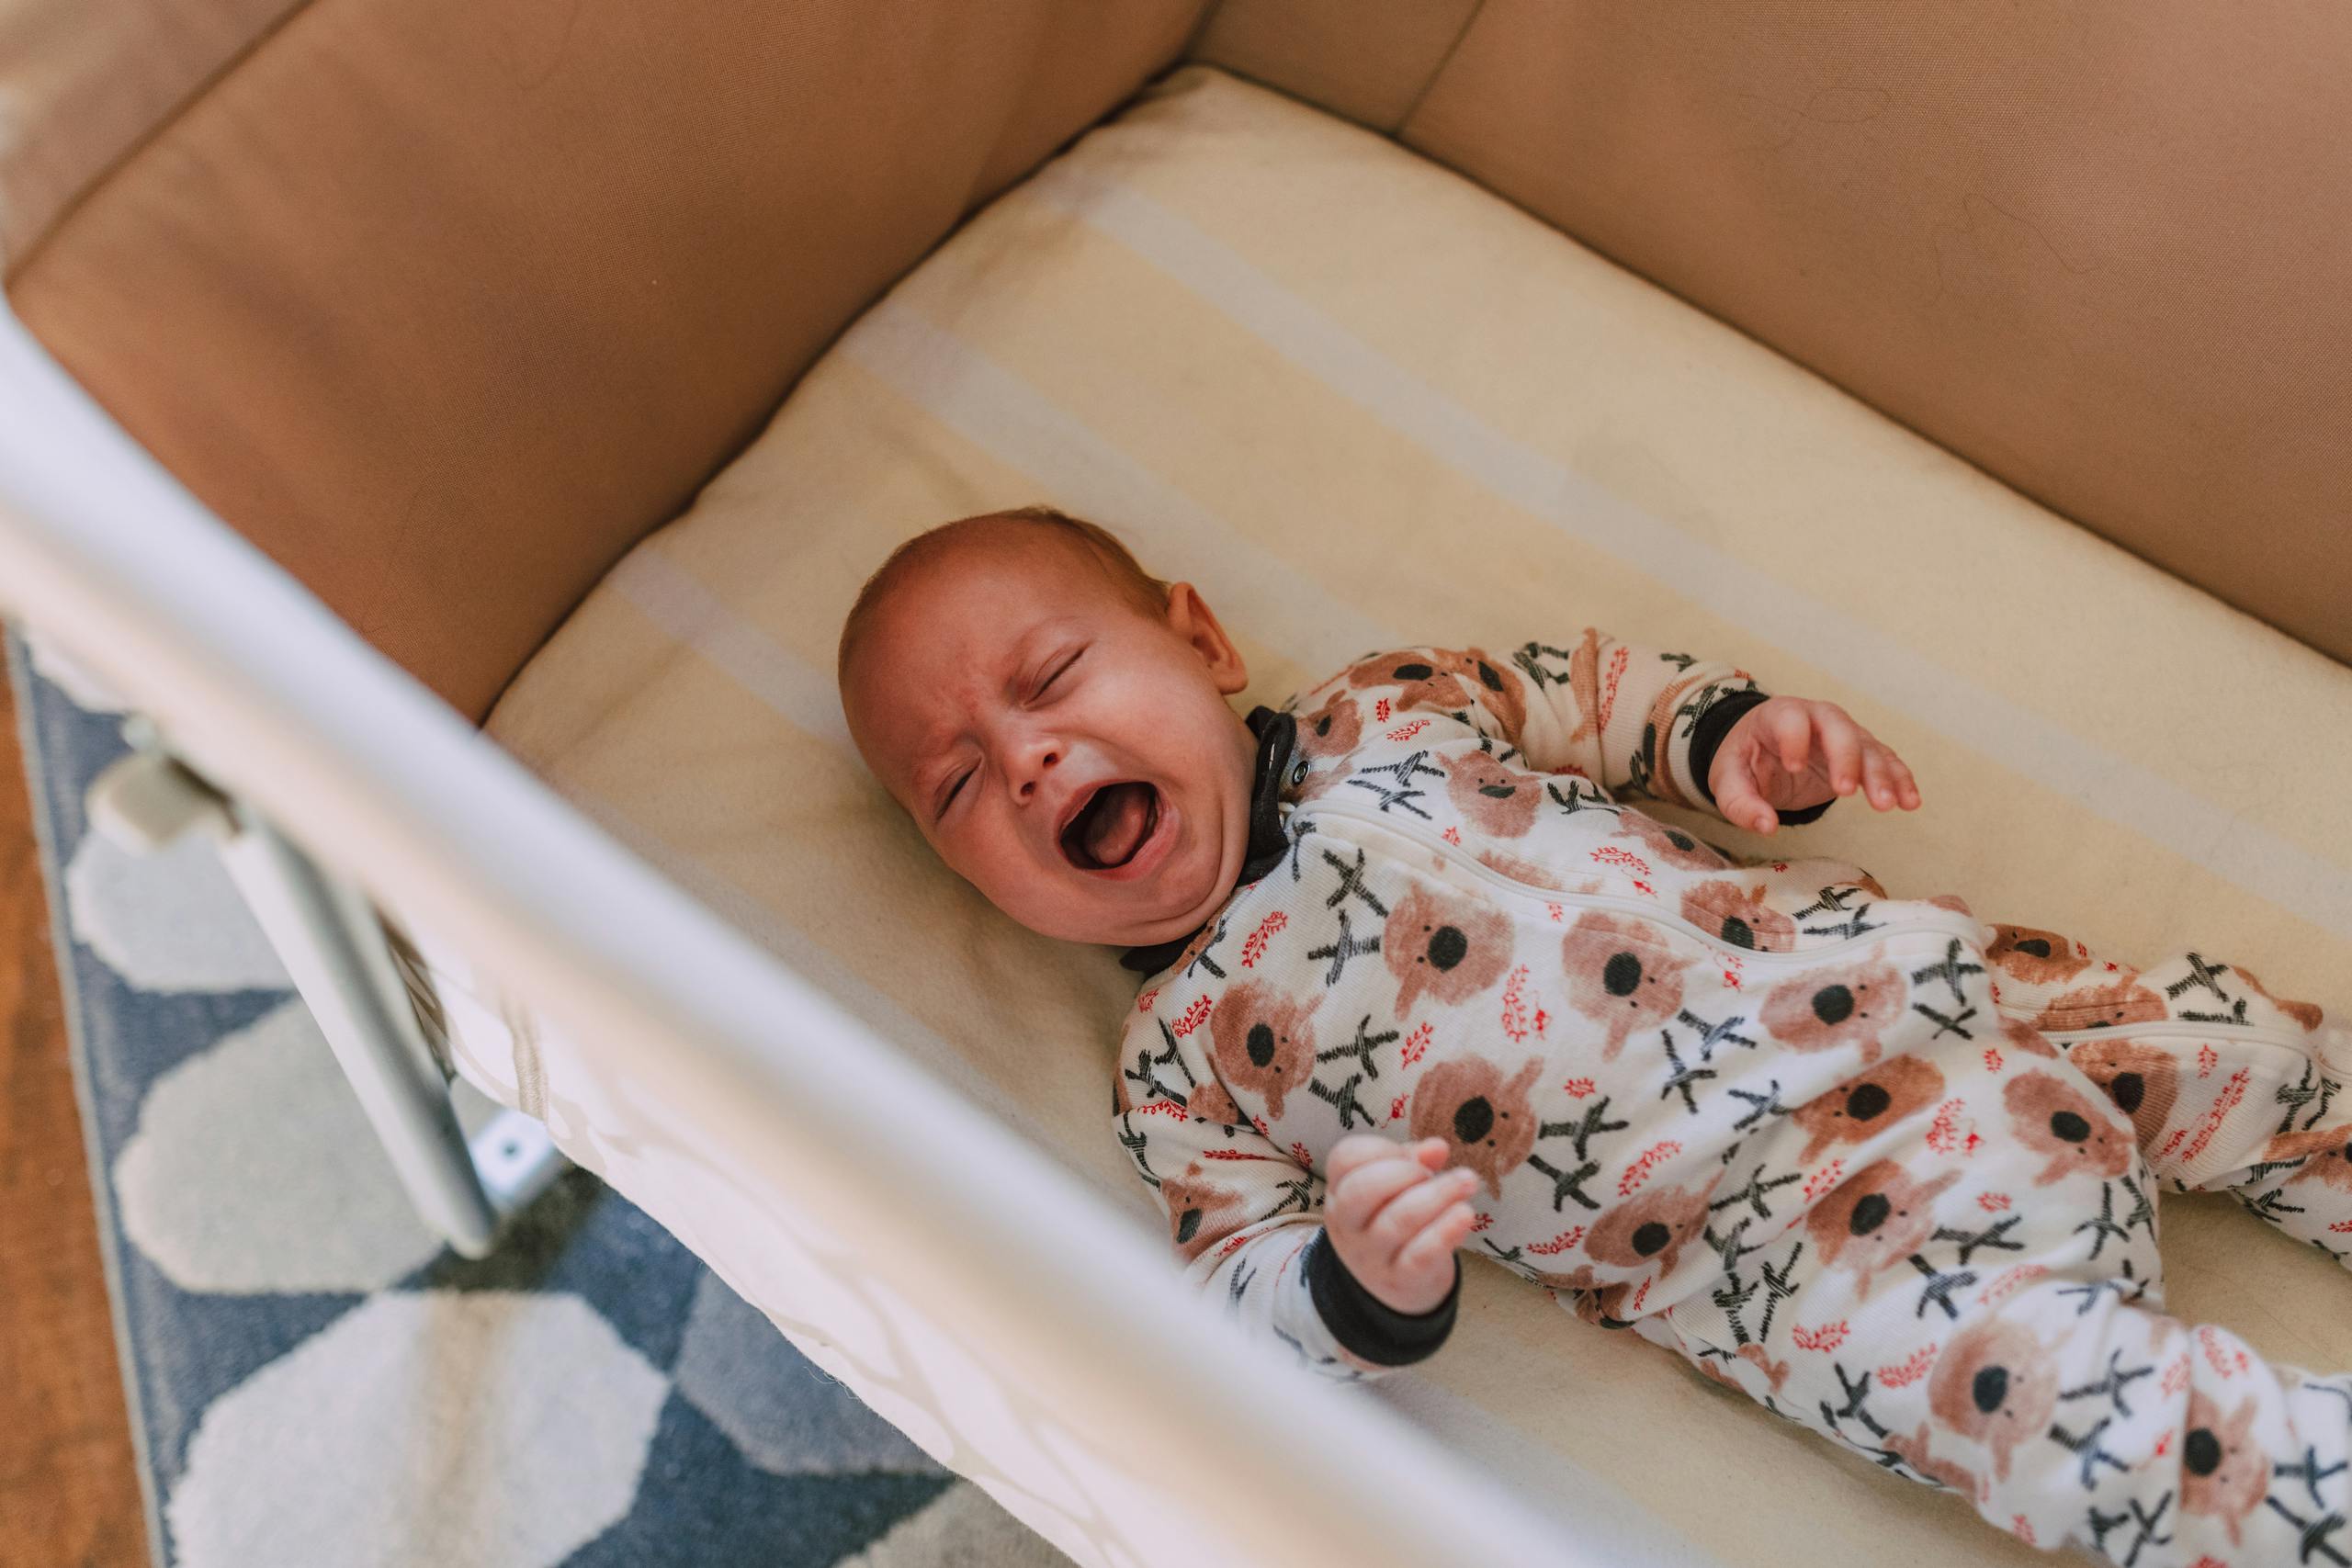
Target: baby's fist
{"x": 1395, "y": 1217}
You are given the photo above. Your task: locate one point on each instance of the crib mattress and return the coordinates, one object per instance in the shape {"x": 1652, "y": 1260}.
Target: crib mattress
{"x": 1362, "y": 403}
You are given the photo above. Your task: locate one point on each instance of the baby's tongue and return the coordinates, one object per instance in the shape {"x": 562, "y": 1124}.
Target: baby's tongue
{"x": 1116, "y": 822}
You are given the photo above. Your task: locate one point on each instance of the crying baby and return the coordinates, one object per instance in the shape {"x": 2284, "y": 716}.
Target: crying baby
{"x": 1419, "y": 977}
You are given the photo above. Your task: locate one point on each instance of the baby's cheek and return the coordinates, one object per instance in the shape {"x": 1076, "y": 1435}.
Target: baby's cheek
{"x": 1007, "y": 875}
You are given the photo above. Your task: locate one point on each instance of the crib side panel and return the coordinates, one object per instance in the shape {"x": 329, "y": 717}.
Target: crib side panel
{"x": 2083, "y": 246}
{"x": 2098, "y": 250}
{"x": 83, "y": 82}
{"x": 1368, "y": 61}
{"x": 445, "y": 304}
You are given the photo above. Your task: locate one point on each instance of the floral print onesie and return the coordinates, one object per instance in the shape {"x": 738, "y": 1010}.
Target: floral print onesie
{"x": 1887, "y": 1168}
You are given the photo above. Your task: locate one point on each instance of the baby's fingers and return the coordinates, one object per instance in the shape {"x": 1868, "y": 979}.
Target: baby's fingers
{"x": 1408, "y": 1214}
{"x": 1354, "y": 1202}
{"x": 1886, "y": 780}
{"x": 1842, "y": 741}
{"x": 1360, "y": 1149}
{"x": 1739, "y": 803}
{"x": 1792, "y": 735}
{"x": 1877, "y": 778}
{"x": 1907, "y": 788}
{"x": 1438, "y": 1239}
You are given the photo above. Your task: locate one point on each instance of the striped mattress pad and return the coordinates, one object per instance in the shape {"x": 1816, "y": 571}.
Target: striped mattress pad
{"x": 1362, "y": 403}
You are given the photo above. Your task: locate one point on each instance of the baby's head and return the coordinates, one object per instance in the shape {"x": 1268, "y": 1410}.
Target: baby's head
{"x": 1055, "y": 721}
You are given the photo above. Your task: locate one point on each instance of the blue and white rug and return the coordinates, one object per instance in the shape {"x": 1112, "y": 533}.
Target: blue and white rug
{"x": 315, "y": 1381}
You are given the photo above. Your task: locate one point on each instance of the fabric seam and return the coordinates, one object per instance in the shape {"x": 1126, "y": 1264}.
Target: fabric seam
{"x": 1414, "y": 107}
{"x": 15, "y": 266}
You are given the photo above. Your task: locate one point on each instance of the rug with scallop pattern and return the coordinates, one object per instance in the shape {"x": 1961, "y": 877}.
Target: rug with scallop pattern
{"x": 313, "y": 1379}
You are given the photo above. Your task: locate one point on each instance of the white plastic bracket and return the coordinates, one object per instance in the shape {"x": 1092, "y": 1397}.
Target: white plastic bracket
{"x": 146, "y": 799}
{"x": 516, "y": 1160}
{"x": 331, "y": 942}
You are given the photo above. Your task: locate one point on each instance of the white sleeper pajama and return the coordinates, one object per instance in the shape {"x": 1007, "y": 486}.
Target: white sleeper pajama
{"x": 1884, "y": 1167}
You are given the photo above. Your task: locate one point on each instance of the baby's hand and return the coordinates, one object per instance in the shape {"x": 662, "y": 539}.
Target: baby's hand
{"x": 1787, "y": 753}
{"x": 1396, "y": 1217}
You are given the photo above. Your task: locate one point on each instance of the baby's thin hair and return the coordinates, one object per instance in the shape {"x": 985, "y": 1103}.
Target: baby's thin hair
{"x": 1149, "y": 592}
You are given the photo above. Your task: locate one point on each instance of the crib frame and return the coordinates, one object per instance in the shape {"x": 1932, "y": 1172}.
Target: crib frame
{"x": 351, "y": 782}
{"x": 340, "y": 956}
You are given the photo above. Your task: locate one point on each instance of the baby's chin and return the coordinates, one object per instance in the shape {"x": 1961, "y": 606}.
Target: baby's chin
{"x": 1129, "y": 927}
{"x": 1173, "y": 902}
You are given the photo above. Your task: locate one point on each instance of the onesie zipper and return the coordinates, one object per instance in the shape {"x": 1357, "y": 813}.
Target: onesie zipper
{"x": 1971, "y": 931}
{"x": 2255, "y": 1032}
{"x": 2252, "y": 1033}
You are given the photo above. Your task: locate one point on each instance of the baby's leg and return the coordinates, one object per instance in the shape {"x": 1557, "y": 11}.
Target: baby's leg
{"x": 2229, "y": 1087}
{"x": 2062, "y": 1408}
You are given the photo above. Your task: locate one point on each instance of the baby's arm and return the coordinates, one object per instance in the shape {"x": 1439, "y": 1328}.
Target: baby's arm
{"x": 1685, "y": 730}
{"x": 1627, "y": 714}
{"x": 1696, "y": 733}
{"x": 1248, "y": 1220}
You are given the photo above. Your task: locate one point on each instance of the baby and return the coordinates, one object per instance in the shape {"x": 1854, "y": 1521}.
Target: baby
{"x": 1420, "y": 978}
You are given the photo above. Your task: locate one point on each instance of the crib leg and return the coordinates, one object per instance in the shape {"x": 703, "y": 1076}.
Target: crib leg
{"x": 332, "y": 944}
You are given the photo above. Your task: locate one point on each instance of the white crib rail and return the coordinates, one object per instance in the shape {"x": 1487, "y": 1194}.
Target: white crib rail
{"x": 1208, "y": 1436}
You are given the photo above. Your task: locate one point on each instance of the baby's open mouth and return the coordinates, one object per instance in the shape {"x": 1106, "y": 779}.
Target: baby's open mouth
{"x": 1116, "y": 821}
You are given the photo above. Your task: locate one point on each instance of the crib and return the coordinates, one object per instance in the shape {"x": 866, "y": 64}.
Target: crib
{"x": 458, "y": 429}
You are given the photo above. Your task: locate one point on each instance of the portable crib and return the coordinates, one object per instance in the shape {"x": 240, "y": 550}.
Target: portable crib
{"x": 459, "y": 428}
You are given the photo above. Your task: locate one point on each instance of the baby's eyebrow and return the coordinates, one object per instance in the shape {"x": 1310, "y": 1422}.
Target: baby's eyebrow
{"x": 931, "y": 761}
{"x": 1024, "y": 646}
{"x": 1016, "y": 659}
{"x": 935, "y": 757}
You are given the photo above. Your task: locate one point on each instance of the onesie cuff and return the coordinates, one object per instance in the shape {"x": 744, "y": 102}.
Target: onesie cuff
{"x": 1367, "y": 1326}
{"x": 1707, "y": 736}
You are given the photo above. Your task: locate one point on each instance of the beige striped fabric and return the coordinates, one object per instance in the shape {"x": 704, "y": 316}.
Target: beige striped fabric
{"x": 1362, "y": 403}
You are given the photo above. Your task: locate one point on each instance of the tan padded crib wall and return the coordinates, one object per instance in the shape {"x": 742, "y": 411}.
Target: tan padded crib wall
{"x": 2103, "y": 250}
{"x": 444, "y": 303}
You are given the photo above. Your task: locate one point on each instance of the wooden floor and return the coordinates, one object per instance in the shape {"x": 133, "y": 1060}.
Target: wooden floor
{"x": 69, "y": 1497}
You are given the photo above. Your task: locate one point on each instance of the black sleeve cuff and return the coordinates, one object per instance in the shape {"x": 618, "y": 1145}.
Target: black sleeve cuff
{"x": 1368, "y": 1326}
{"x": 1707, "y": 736}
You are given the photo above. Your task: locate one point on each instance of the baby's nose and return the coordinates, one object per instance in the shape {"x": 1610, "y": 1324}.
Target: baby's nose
{"x": 1038, "y": 764}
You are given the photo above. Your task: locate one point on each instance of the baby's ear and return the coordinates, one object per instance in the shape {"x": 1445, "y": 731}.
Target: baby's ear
{"x": 1190, "y": 617}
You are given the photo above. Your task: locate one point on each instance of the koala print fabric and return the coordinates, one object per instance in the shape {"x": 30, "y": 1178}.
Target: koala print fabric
{"x": 1885, "y": 1167}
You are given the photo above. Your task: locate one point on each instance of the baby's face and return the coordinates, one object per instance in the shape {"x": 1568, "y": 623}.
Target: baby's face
{"x": 1068, "y": 752}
